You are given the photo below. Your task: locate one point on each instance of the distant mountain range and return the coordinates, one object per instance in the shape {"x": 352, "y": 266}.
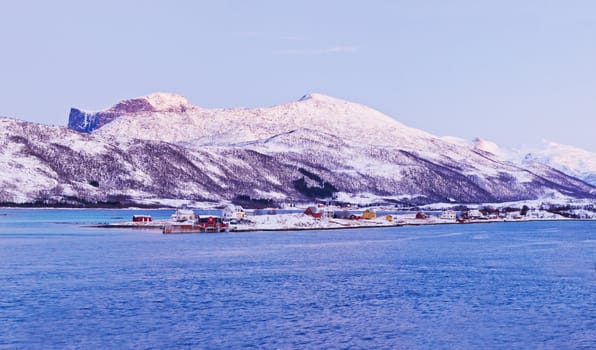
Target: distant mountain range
{"x": 568, "y": 159}
{"x": 160, "y": 148}
{"x": 571, "y": 160}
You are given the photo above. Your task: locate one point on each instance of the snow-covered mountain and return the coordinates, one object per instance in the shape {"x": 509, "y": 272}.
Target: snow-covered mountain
{"x": 571, "y": 160}
{"x": 190, "y": 124}
{"x": 86, "y": 121}
{"x": 568, "y": 159}
{"x": 160, "y": 146}
{"x": 483, "y": 145}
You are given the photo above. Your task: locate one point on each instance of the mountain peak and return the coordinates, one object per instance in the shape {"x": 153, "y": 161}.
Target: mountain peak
{"x": 156, "y": 102}
{"x": 165, "y": 101}
{"x": 487, "y": 146}
{"x": 569, "y": 159}
{"x": 83, "y": 121}
{"x": 331, "y": 115}
{"x": 318, "y": 97}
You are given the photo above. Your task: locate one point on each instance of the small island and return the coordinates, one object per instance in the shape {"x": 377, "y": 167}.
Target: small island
{"x": 234, "y": 218}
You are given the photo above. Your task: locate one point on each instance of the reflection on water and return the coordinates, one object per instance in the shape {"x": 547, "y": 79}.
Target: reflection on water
{"x": 508, "y": 285}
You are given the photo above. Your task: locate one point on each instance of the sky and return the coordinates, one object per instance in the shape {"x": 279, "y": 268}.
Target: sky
{"x": 513, "y": 72}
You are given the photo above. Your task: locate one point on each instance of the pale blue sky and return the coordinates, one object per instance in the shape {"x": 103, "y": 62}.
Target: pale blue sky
{"x": 514, "y": 72}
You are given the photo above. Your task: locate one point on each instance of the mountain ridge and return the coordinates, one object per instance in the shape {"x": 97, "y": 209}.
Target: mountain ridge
{"x": 313, "y": 110}
{"x": 571, "y": 160}
{"x": 297, "y": 151}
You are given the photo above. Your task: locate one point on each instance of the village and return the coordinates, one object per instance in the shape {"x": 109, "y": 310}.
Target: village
{"x": 234, "y": 218}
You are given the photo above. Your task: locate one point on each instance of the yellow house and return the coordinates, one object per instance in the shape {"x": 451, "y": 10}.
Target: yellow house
{"x": 369, "y": 214}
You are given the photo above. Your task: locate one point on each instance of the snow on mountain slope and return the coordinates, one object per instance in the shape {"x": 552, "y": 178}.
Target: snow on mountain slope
{"x": 456, "y": 173}
{"x": 343, "y": 136}
{"x": 568, "y": 159}
{"x": 53, "y": 164}
{"x": 160, "y": 146}
{"x": 490, "y": 147}
{"x": 350, "y": 121}
{"x": 353, "y": 123}
{"x": 86, "y": 121}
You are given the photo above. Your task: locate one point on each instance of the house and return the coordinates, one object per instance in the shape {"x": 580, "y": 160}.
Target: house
{"x": 141, "y": 218}
{"x": 314, "y": 211}
{"x": 211, "y": 223}
{"x": 448, "y": 215}
{"x": 420, "y": 215}
{"x": 474, "y": 214}
{"x": 181, "y": 215}
{"x": 318, "y": 212}
{"x": 233, "y": 212}
{"x": 369, "y": 214}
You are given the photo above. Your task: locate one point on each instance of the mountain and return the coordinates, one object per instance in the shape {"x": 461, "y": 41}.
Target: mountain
{"x": 85, "y": 121}
{"x": 159, "y": 148}
{"x": 483, "y": 145}
{"x": 568, "y": 159}
{"x": 190, "y": 124}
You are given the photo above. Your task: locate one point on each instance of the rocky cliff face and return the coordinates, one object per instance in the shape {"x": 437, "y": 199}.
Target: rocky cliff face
{"x": 157, "y": 148}
{"x": 83, "y": 121}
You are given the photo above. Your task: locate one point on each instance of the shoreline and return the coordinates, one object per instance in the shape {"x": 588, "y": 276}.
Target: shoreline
{"x": 326, "y": 228}
{"x": 295, "y": 221}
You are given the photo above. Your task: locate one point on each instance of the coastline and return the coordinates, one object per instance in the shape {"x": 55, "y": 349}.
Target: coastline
{"x": 271, "y": 220}
{"x": 330, "y": 225}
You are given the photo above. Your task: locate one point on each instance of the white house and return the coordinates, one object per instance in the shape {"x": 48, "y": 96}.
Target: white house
{"x": 181, "y": 215}
{"x": 448, "y": 215}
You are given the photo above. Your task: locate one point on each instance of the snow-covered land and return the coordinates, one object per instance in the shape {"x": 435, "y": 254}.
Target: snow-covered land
{"x": 160, "y": 149}
{"x": 273, "y": 221}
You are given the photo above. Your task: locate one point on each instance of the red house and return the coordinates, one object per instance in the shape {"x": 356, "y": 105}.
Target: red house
{"x": 420, "y": 215}
{"x": 141, "y": 218}
{"x": 315, "y": 212}
{"x": 211, "y": 223}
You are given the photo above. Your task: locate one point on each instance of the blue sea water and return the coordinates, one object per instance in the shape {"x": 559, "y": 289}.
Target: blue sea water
{"x": 498, "y": 286}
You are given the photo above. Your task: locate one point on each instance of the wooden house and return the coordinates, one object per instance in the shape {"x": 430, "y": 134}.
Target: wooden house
{"x": 319, "y": 212}
{"x": 141, "y": 218}
{"x": 233, "y": 212}
{"x": 420, "y": 215}
{"x": 315, "y": 212}
{"x": 181, "y": 215}
{"x": 369, "y": 214}
{"x": 448, "y": 215}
